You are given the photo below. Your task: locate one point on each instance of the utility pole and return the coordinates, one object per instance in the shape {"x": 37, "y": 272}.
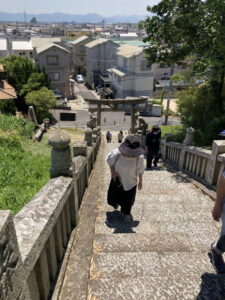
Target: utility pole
{"x": 168, "y": 98}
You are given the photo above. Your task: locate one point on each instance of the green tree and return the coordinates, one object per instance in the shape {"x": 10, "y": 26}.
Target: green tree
{"x": 24, "y": 76}
{"x": 190, "y": 30}
{"x": 35, "y": 82}
{"x": 197, "y": 109}
{"x": 42, "y": 100}
{"x": 193, "y": 31}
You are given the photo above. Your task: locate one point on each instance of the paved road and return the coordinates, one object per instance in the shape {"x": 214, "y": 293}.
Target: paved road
{"x": 113, "y": 121}
{"x": 162, "y": 254}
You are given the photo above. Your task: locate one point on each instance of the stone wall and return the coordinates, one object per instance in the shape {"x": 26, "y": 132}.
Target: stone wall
{"x": 33, "y": 243}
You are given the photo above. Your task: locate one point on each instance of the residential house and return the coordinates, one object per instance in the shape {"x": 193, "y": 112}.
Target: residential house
{"x": 162, "y": 78}
{"x": 4, "y": 50}
{"x": 79, "y": 54}
{"x": 101, "y": 56}
{"x": 132, "y": 77}
{"x": 55, "y": 60}
{"x": 23, "y": 48}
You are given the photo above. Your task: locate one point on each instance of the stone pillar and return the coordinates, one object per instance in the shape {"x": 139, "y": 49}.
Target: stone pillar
{"x": 188, "y": 141}
{"x": 95, "y": 135}
{"x": 80, "y": 148}
{"x": 61, "y": 154}
{"x": 99, "y": 130}
{"x": 88, "y": 136}
{"x": 132, "y": 115}
{"x": 99, "y": 115}
{"x": 212, "y": 169}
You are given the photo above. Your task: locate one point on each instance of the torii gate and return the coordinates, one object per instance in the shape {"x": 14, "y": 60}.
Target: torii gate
{"x": 113, "y": 105}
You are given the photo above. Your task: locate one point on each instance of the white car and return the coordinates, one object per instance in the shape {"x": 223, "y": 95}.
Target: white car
{"x": 80, "y": 78}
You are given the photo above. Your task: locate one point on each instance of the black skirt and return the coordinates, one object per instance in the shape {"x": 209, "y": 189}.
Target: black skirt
{"x": 118, "y": 196}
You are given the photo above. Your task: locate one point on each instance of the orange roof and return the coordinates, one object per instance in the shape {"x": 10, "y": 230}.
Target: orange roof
{"x": 1, "y": 68}
{"x": 6, "y": 91}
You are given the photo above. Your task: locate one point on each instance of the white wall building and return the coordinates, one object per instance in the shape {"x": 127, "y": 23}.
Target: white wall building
{"x": 131, "y": 77}
{"x": 4, "y": 51}
{"x": 23, "y": 48}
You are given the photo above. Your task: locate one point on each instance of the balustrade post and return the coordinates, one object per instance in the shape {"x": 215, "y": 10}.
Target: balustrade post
{"x": 212, "y": 170}
{"x": 88, "y": 136}
{"x": 61, "y": 154}
{"x": 80, "y": 148}
{"x": 188, "y": 141}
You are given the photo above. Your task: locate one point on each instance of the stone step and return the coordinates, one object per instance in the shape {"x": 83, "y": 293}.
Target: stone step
{"x": 156, "y": 242}
{"x": 149, "y": 264}
{"x": 167, "y": 287}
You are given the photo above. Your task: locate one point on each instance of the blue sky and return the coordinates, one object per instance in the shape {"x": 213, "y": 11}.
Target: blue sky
{"x": 102, "y": 7}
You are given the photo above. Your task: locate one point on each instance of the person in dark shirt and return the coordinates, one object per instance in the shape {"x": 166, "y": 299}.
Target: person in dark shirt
{"x": 152, "y": 146}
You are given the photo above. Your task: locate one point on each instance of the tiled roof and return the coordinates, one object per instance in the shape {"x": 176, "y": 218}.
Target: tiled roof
{"x": 6, "y": 91}
{"x": 96, "y": 43}
{"x": 129, "y": 51}
{"x": 48, "y": 46}
{"x": 38, "y": 42}
{"x": 80, "y": 39}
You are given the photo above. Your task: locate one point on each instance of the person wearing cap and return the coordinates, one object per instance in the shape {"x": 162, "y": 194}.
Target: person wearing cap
{"x": 218, "y": 212}
{"x": 126, "y": 164}
{"x": 152, "y": 146}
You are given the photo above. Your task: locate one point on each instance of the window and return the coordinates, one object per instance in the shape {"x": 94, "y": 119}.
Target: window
{"x": 82, "y": 49}
{"x": 52, "y": 60}
{"x": 54, "y": 76}
{"x": 82, "y": 58}
{"x": 143, "y": 66}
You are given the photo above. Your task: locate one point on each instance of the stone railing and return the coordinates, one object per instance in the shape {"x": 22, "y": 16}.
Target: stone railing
{"x": 33, "y": 243}
{"x": 206, "y": 165}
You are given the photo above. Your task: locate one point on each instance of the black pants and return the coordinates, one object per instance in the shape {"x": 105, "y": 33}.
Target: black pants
{"x": 117, "y": 195}
{"x": 153, "y": 153}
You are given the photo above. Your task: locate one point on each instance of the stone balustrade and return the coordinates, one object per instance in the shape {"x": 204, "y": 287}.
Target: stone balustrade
{"x": 204, "y": 164}
{"x": 33, "y": 243}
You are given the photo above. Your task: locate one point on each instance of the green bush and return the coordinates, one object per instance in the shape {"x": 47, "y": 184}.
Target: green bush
{"x": 41, "y": 115}
{"x": 198, "y": 107}
{"x": 8, "y": 107}
{"x": 155, "y": 101}
{"x": 24, "y": 164}
{"x": 20, "y": 125}
{"x": 178, "y": 132}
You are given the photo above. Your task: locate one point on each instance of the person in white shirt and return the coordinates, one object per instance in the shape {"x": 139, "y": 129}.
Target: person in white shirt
{"x": 218, "y": 212}
{"x": 126, "y": 165}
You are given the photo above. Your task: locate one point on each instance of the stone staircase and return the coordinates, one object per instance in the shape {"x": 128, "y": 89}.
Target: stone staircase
{"x": 162, "y": 254}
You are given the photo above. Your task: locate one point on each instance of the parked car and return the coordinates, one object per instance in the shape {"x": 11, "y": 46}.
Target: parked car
{"x": 80, "y": 78}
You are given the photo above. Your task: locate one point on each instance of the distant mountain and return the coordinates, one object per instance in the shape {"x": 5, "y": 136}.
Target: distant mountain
{"x": 61, "y": 17}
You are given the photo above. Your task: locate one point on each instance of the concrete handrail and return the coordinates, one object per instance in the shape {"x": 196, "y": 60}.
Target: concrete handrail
{"x": 33, "y": 243}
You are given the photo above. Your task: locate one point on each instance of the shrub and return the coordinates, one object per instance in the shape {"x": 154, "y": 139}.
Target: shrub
{"x": 8, "y": 107}
{"x": 198, "y": 107}
{"x": 20, "y": 125}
